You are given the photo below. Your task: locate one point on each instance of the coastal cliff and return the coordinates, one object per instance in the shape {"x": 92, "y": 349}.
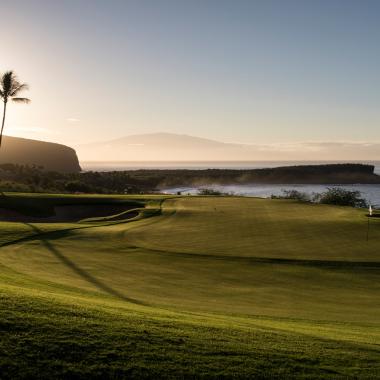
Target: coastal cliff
{"x": 302, "y": 174}
{"x": 49, "y": 156}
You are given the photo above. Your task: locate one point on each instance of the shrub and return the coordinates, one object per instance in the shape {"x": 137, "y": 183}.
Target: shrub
{"x": 341, "y": 197}
{"x": 213, "y": 192}
{"x": 292, "y": 194}
{"x": 77, "y": 186}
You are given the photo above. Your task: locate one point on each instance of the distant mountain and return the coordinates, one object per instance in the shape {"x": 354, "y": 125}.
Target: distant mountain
{"x": 174, "y": 147}
{"x": 160, "y": 147}
{"x": 166, "y": 140}
{"x": 50, "y": 156}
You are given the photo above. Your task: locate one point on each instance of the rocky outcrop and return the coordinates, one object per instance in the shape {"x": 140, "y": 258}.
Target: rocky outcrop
{"x": 49, "y": 156}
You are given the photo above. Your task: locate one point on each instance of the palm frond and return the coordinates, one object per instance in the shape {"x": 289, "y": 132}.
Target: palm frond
{"x": 7, "y": 81}
{"x": 21, "y": 100}
{"x": 18, "y": 87}
{"x": 10, "y": 87}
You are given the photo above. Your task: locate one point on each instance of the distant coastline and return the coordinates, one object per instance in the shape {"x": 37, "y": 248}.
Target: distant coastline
{"x": 201, "y": 165}
{"x": 231, "y": 177}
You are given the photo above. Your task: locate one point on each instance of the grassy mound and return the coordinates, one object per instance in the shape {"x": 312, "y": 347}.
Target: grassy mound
{"x": 197, "y": 286}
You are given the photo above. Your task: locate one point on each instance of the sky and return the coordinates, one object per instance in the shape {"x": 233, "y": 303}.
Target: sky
{"x": 242, "y": 71}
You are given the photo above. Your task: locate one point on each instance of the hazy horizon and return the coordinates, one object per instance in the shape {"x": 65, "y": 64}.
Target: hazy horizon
{"x": 174, "y": 147}
{"x": 285, "y": 77}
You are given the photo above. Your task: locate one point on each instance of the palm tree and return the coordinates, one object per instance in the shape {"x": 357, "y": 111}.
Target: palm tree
{"x": 10, "y": 87}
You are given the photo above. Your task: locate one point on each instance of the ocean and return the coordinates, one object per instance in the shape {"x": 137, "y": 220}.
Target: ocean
{"x": 370, "y": 192}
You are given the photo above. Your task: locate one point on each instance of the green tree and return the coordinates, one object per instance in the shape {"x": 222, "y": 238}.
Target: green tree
{"x": 10, "y": 88}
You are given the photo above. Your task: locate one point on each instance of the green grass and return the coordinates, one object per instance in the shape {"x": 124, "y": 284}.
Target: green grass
{"x": 193, "y": 287}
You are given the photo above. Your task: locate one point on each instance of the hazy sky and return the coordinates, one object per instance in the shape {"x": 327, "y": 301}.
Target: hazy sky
{"x": 237, "y": 71}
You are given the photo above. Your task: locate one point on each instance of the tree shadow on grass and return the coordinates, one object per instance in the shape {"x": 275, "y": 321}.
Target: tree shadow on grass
{"x": 45, "y": 238}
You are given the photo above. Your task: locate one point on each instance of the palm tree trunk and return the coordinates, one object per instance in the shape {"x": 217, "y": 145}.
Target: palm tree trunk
{"x": 2, "y": 125}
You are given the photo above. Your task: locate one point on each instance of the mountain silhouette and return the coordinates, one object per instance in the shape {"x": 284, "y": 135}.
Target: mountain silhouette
{"x": 177, "y": 147}
{"x": 50, "y": 156}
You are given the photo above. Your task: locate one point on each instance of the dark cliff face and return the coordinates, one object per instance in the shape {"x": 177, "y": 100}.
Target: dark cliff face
{"x": 302, "y": 174}
{"x": 51, "y": 156}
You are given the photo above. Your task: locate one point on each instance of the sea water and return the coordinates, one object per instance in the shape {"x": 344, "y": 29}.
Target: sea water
{"x": 369, "y": 192}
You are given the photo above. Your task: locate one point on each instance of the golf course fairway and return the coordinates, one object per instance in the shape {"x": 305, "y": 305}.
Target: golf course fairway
{"x": 192, "y": 287}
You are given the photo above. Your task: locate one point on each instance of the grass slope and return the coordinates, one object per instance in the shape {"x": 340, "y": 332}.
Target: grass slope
{"x": 210, "y": 287}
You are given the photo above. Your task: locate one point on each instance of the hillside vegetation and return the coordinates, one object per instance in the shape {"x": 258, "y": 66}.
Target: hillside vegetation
{"x": 192, "y": 286}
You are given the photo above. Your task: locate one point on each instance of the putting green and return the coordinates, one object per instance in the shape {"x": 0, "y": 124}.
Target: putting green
{"x": 234, "y": 286}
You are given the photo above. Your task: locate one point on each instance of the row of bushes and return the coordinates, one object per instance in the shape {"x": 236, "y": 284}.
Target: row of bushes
{"x": 333, "y": 196}
{"x": 32, "y": 178}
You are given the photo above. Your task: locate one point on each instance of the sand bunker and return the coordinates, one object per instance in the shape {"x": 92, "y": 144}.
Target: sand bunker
{"x": 70, "y": 213}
